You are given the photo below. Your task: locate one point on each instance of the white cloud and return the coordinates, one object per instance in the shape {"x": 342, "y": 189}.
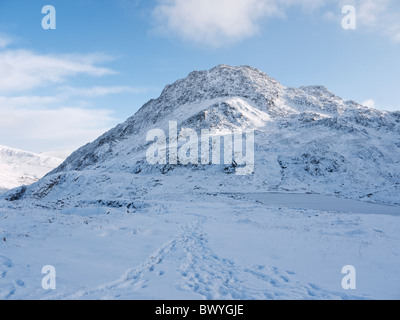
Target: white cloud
{"x": 66, "y": 128}
{"x": 32, "y": 122}
{"x": 219, "y": 22}
{"x": 27, "y": 70}
{"x": 23, "y": 101}
{"x": 382, "y": 16}
{"x": 211, "y": 21}
{"x": 65, "y": 94}
{"x": 369, "y": 103}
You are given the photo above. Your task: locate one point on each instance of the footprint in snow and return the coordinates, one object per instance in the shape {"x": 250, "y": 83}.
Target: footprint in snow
{"x": 5, "y": 262}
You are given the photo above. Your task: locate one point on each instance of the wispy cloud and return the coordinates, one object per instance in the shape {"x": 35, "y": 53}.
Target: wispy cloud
{"x": 65, "y": 94}
{"x": 382, "y": 16}
{"x": 27, "y": 70}
{"x": 24, "y": 101}
{"x": 36, "y": 96}
{"x": 93, "y": 92}
{"x": 31, "y": 122}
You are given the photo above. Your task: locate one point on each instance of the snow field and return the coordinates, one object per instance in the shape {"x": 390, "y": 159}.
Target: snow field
{"x": 201, "y": 247}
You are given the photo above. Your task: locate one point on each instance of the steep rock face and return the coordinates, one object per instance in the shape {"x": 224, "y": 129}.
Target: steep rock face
{"x": 306, "y": 140}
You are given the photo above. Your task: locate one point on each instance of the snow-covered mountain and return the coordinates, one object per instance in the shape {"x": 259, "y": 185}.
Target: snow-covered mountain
{"x": 306, "y": 140}
{"x": 19, "y": 167}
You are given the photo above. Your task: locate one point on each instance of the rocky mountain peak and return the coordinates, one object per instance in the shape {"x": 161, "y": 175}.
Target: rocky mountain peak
{"x": 306, "y": 139}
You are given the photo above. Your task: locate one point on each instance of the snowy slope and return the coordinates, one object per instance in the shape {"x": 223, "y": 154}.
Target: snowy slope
{"x": 306, "y": 140}
{"x": 19, "y": 167}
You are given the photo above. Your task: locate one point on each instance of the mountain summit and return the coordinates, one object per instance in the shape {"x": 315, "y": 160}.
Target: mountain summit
{"x": 306, "y": 140}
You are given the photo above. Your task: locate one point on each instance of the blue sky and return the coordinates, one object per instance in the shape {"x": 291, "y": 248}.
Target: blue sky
{"x": 60, "y": 89}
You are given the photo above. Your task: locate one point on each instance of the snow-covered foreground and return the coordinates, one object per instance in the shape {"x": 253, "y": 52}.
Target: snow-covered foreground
{"x": 201, "y": 246}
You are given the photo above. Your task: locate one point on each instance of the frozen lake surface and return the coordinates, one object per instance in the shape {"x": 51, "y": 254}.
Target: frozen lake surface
{"x": 323, "y": 203}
